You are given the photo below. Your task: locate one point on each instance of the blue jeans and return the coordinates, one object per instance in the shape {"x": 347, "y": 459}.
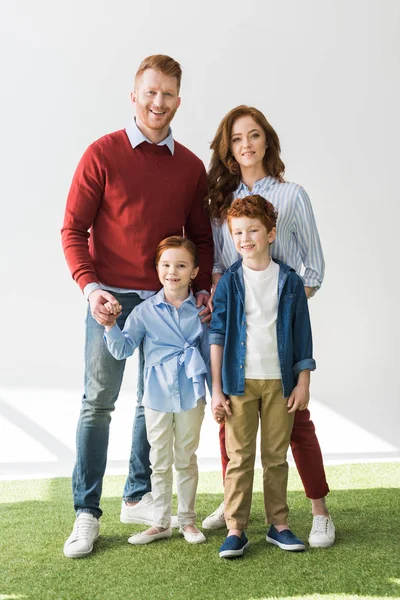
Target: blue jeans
{"x": 103, "y": 378}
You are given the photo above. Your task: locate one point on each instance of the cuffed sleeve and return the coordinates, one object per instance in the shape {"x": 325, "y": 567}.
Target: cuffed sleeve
{"x": 309, "y": 243}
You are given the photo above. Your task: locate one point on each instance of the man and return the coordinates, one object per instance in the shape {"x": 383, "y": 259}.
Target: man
{"x": 131, "y": 189}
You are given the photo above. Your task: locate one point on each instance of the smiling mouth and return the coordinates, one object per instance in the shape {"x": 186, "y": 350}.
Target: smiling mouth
{"x": 248, "y": 153}
{"x": 247, "y": 247}
{"x": 157, "y": 112}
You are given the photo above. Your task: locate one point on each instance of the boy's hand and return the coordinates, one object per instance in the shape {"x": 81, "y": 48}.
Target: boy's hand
{"x": 299, "y": 398}
{"x": 220, "y": 406}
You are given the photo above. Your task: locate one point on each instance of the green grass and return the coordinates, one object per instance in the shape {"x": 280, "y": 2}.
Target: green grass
{"x": 36, "y": 517}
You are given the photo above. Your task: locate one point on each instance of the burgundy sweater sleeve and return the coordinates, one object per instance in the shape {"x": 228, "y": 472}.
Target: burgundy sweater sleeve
{"x": 83, "y": 202}
{"x": 198, "y": 229}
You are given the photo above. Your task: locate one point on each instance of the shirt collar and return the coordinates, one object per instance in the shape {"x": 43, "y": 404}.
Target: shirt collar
{"x": 265, "y": 181}
{"x": 136, "y": 137}
{"x": 159, "y": 298}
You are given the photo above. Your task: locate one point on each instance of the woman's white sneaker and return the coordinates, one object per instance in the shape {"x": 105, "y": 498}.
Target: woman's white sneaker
{"x": 322, "y": 534}
{"x": 216, "y": 520}
{"x": 85, "y": 532}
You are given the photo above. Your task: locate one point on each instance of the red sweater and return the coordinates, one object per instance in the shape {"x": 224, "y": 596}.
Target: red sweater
{"x": 130, "y": 199}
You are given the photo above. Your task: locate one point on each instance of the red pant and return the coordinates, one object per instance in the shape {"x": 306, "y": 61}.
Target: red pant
{"x": 306, "y": 453}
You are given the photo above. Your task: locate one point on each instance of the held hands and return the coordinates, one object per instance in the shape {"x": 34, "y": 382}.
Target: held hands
{"x": 299, "y": 398}
{"x": 104, "y": 307}
{"x": 220, "y": 406}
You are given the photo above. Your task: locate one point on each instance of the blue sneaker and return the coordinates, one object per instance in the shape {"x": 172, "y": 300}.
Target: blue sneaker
{"x": 285, "y": 540}
{"x": 233, "y": 546}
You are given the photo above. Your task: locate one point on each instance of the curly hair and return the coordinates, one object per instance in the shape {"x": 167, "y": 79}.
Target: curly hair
{"x": 253, "y": 207}
{"x": 224, "y": 172}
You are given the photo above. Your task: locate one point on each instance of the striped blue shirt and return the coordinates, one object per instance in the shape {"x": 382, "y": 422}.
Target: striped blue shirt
{"x": 297, "y": 241}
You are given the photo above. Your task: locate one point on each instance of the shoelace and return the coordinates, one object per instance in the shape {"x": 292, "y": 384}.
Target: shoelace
{"x": 320, "y": 524}
{"x": 82, "y": 529}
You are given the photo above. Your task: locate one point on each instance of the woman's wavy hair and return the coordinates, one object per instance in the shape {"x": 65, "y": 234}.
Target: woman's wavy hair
{"x": 224, "y": 172}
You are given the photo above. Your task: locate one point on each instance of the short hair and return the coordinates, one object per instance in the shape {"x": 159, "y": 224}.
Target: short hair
{"x": 163, "y": 63}
{"x": 177, "y": 241}
{"x": 253, "y": 207}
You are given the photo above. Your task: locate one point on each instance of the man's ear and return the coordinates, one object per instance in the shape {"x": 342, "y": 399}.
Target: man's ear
{"x": 133, "y": 97}
{"x": 272, "y": 235}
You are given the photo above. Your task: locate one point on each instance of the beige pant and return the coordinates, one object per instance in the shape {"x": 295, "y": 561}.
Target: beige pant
{"x": 262, "y": 399}
{"x": 174, "y": 439}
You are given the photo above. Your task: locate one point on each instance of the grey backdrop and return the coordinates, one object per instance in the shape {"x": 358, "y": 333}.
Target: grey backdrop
{"x": 326, "y": 74}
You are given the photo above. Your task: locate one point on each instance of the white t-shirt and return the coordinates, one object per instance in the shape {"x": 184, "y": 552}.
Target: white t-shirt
{"x": 261, "y": 308}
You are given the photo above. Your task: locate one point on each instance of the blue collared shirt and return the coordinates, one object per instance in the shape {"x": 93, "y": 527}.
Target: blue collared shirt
{"x": 176, "y": 351}
{"x": 293, "y": 328}
{"x": 297, "y": 241}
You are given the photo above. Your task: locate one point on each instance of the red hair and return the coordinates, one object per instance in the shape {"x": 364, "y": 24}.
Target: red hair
{"x": 177, "y": 241}
{"x": 253, "y": 207}
{"x": 163, "y": 63}
{"x": 224, "y": 172}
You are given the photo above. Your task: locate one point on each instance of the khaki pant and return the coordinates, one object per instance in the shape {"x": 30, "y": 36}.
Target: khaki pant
{"x": 262, "y": 399}
{"x": 174, "y": 439}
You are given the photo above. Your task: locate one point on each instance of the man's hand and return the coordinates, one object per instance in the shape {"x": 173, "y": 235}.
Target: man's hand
{"x": 299, "y": 398}
{"x": 202, "y": 300}
{"x": 220, "y": 406}
{"x": 97, "y": 300}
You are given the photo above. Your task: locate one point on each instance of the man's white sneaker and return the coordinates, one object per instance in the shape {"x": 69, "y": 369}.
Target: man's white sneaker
{"x": 142, "y": 512}
{"x": 84, "y": 534}
{"x": 216, "y": 520}
{"x": 322, "y": 534}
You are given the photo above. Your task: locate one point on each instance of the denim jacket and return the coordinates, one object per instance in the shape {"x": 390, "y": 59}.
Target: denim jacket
{"x": 293, "y": 328}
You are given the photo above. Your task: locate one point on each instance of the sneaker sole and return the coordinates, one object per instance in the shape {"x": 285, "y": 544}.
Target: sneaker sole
{"x": 321, "y": 544}
{"x": 81, "y": 554}
{"x": 233, "y": 553}
{"x": 289, "y": 547}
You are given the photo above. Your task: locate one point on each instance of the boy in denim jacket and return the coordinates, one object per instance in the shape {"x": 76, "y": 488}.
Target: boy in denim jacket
{"x": 261, "y": 358}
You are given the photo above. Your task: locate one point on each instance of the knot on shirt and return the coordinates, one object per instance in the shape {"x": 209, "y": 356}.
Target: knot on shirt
{"x": 194, "y": 364}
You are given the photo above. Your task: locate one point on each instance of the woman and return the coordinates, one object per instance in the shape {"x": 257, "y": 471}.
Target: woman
{"x": 246, "y": 160}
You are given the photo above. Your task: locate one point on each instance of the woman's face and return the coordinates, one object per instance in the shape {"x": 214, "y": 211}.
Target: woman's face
{"x": 248, "y": 143}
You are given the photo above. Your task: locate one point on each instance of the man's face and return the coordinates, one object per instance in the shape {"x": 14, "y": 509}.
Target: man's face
{"x": 156, "y": 99}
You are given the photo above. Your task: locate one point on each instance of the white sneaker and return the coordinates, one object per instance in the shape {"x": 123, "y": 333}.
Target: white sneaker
{"x": 322, "y": 534}
{"x": 142, "y": 512}
{"x": 216, "y": 520}
{"x": 85, "y": 532}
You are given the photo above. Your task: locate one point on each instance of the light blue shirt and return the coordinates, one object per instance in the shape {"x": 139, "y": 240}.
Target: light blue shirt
{"x": 176, "y": 351}
{"x": 297, "y": 240}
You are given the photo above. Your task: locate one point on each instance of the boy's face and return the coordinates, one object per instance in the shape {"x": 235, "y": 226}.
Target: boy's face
{"x": 251, "y": 238}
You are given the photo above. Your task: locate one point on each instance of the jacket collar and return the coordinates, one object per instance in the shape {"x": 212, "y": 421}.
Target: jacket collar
{"x": 237, "y": 270}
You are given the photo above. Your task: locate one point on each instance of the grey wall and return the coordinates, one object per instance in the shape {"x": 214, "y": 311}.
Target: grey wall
{"x": 326, "y": 74}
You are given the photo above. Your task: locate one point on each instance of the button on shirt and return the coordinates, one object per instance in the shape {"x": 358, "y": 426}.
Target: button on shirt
{"x": 297, "y": 241}
{"x": 176, "y": 350}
